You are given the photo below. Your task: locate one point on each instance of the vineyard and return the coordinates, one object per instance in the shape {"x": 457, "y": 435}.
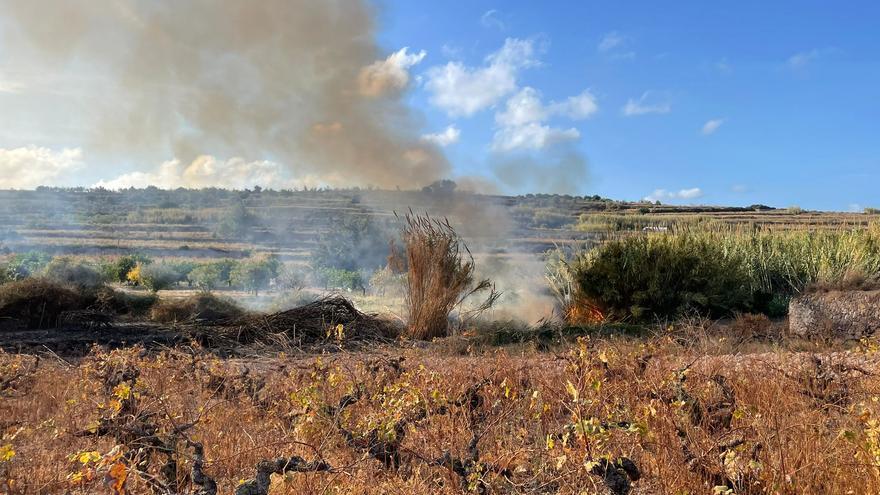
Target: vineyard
{"x": 602, "y": 416}
{"x": 649, "y": 353}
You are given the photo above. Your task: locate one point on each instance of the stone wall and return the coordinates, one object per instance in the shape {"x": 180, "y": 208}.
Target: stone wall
{"x": 835, "y": 314}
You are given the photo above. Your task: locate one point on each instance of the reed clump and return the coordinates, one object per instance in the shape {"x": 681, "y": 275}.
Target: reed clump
{"x": 439, "y": 277}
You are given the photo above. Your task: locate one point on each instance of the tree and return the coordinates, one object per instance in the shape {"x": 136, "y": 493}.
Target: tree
{"x": 255, "y": 274}
{"x": 236, "y": 221}
{"x": 119, "y": 270}
{"x": 355, "y": 243}
{"x": 206, "y": 277}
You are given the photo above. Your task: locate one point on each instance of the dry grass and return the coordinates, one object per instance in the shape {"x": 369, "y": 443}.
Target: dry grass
{"x": 38, "y": 302}
{"x": 440, "y": 276}
{"x": 415, "y": 422}
{"x": 202, "y": 306}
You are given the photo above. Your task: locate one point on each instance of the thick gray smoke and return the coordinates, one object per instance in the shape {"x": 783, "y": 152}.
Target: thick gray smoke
{"x": 300, "y": 82}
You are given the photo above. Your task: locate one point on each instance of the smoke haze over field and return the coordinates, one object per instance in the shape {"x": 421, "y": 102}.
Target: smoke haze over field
{"x": 285, "y": 91}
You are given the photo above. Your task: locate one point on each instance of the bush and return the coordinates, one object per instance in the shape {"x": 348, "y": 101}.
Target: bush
{"x": 718, "y": 273}
{"x": 155, "y": 277}
{"x": 255, "y": 274}
{"x": 646, "y": 277}
{"x": 439, "y": 278}
{"x": 197, "y": 307}
{"x": 119, "y": 269}
{"x": 338, "y": 278}
{"x": 236, "y": 222}
{"x": 24, "y": 265}
{"x": 123, "y": 303}
{"x": 206, "y": 277}
{"x": 67, "y": 270}
{"x": 38, "y": 302}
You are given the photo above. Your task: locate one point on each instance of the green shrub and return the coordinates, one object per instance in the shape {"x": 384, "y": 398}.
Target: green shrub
{"x": 156, "y": 277}
{"x": 119, "y": 269}
{"x": 338, "y": 278}
{"x": 720, "y": 272}
{"x": 23, "y": 265}
{"x": 646, "y": 277}
{"x": 207, "y": 276}
{"x": 255, "y": 274}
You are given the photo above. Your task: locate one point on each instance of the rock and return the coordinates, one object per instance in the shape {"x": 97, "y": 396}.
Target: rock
{"x": 835, "y": 314}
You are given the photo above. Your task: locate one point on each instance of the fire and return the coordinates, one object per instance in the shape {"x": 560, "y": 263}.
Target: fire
{"x": 583, "y": 312}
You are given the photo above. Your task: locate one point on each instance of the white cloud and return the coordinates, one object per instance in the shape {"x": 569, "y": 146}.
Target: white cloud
{"x": 449, "y": 136}
{"x": 739, "y": 188}
{"x": 490, "y": 19}
{"x": 521, "y": 123}
{"x": 577, "y": 107}
{"x": 461, "y": 90}
{"x": 802, "y": 59}
{"x": 711, "y": 126}
{"x": 533, "y": 135}
{"x": 649, "y": 102}
{"x": 723, "y": 66}
{"x": 614, "y": 45}
{"x": 389, "y": 75}
{"x": 208, "y": 171}
{"x": 29, "y": 167}
{"x": 610, "y": 41}
{"x": 681, "y": 194}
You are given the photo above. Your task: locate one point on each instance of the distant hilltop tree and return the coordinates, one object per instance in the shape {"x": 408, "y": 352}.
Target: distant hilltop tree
{"x": 440, "y": 187}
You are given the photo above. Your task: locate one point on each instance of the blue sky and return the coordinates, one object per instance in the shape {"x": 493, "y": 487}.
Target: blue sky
{"x": 687, "y": 102}
{"x": 793, "y": 89}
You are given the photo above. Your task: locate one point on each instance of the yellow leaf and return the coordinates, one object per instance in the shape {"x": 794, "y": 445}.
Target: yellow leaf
{"x": 572, "y": 390}
{"x": 89, "y": 456}
{"x": 122, "y": 391}
{"x": 6, "y": 453}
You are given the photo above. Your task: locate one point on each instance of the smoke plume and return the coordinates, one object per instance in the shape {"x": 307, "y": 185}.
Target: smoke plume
{"x": 299, "y": 82}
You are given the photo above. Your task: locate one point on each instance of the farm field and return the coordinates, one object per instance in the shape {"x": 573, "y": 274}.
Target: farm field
{"x": 302, "y": 342}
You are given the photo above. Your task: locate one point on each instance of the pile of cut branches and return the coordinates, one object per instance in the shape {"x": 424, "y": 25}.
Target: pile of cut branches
{"x": 331, "y": 319}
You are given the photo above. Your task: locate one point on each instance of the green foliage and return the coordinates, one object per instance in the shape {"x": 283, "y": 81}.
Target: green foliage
{"x": 207, "y": 276}
{"x": 182, "y": 268}
{"x": 545, "y": 218}
{"x": 157, "y": 276}
{"x": 356, "y": 242}
{"x": 72, "y": 271}
{"x": 235, "y": 222}
{"x": 24, "y": 265}
{"x": 339, "y": 278}
{"x": 621, "y": 222}
{"x": 118, "y": 270}
{"x": 721, "y": 272}
{"x": 645, "y": 277}
{"x": 255, "y": 274}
